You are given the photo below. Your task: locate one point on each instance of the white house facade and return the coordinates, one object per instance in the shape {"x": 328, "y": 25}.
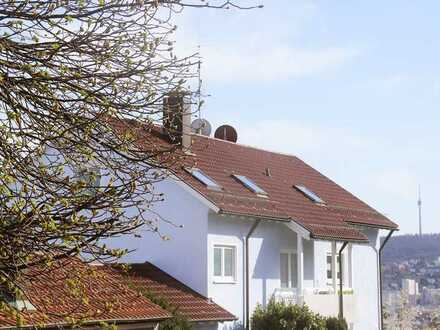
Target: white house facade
{"x": 247, "y": 225}
{"x": 280, "y": 265}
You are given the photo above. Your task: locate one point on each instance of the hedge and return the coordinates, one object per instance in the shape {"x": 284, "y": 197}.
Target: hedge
{"x": 282, "y": 316}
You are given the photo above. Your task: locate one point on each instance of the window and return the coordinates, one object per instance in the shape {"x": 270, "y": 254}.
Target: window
{"x": 310, "y": 194}
{"x": 248, "y": 183}
{"x": 224, "y": 263}
{"x": 90, "y": 178}
{"x": 203, "y": 178}
{"x": 329, "y": 268}
{"x": 288, "y": 270}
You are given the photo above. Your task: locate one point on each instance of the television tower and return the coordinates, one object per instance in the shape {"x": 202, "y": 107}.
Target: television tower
{"x": 419, "y": 203}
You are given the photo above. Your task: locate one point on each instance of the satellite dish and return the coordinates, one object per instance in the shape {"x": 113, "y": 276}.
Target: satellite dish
{"x": 201, "y": 126}
{"x": 226, "y": 132}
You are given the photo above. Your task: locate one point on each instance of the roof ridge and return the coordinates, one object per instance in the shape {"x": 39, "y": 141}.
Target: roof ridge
{"x": 247, "y": 146}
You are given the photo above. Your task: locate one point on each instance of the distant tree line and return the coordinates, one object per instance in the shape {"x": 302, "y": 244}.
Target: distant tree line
{"x": 406, "y": 247}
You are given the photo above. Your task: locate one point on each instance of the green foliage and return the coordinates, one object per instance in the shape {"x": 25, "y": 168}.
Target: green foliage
{"x": 334, "y": 323}
{"x": 282, "y": 316}
{"x": 177, "y": 322}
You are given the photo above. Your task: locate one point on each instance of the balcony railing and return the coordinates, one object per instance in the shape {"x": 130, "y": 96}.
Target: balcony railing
{"x": 324, "y": 301}
{"x": 287, "y": 295}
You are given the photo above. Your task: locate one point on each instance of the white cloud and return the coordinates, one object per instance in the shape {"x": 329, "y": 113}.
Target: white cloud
{"x": 241, "y": 64}
{"x": 302, "y": 138}
{"x": 398, "y": 183}
{"x": 255, "y": 47}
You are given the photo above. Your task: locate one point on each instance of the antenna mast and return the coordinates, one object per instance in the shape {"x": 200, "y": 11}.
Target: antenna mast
{"x": 199, "y": 89}
{"x": 419, "y": 203}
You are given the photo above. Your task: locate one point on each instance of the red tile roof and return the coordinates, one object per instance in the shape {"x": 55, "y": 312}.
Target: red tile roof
{"x": 97, "y": 296}
{"x": 220, "y": 159}
{"x": 74, "y": 290}
{"x": 186, "y": 301}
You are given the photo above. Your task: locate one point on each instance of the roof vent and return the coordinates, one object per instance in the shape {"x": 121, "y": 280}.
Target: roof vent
{"x": 227, "y": 133}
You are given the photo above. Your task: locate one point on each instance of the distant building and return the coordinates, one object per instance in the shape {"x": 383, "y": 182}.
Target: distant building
{"x": 430, "y": 297}
{"x": 392, "y": 299}
{"x": 410, "y": 288}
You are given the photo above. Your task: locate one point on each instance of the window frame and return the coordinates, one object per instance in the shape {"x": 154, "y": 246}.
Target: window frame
{"x": 310, "y": 194}
{"x": 211, "y": 185}
{"x": 91, "y": 177}
{"x": 345, "y": 270}
{"x": 222, "y": 278}
{"x": 290, "y": 277}
{"x": 251, "y": 185}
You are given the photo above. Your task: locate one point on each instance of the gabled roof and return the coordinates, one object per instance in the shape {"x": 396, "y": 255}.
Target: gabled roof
{"x": 186, "y": 301}
{"x": 75, "y": 290}
{"x": 221, "y": 159}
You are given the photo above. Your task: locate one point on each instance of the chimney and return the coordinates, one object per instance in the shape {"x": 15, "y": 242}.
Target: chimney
{"x": 177, "y": 118}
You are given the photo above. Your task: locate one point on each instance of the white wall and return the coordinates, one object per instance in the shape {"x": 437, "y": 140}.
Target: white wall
{"x": 184, "y": 255}
{"x": 188, "y": 256}
{"x": 365, "y": 282}
{"x": 265, "y": 246}
{"x": 206, "y": 326}
{"x": 365, "y": 312}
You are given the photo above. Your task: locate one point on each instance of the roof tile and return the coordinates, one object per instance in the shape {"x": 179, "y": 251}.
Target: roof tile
{"x": 187, "y": 301}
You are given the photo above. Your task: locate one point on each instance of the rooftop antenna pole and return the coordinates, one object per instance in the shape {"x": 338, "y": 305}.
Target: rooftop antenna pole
{"x": 419, "y": 203}
{"x": 199, "y": 90}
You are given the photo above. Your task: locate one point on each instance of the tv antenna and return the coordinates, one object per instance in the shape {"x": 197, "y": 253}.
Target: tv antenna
{"x": 199, "y": 93}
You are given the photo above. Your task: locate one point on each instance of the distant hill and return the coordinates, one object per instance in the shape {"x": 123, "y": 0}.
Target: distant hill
{"x": 407, "y": 247}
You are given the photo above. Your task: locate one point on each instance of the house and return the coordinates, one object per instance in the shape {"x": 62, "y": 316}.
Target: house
{"x": 251, "y": 224}
{"x": 87, "y": 295}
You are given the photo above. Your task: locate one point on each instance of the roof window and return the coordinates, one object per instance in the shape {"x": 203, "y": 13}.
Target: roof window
{"x": 203, "y": 178}
{"x": 310, "y": 194}
{"x": 251, "y": 185}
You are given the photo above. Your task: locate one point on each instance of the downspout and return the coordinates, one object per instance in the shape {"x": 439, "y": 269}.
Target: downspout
{"x": 380, "y": 275}
{"x": 246, "y": 248}
{"x": 341, "y": 275}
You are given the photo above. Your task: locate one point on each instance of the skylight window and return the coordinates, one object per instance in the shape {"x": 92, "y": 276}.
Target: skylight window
{"x": 203, "y": 178}
{"x": 310, "y": 194}
{"x": 251, "y": 185}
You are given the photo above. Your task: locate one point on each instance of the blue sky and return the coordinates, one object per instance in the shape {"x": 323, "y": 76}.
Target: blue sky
{"x": 351, "y": 87}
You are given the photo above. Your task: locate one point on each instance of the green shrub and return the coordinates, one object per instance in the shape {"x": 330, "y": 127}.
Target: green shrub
{"x": 334, "y": 323}
{"x": 282, "y": 316}
{"x": 177, "y": 322}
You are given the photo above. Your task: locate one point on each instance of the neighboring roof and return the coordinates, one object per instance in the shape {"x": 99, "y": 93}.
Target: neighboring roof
{"x": 189, "y": 303}
{"x": 220, "y": 159}
{"x": 97, "y": 296}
